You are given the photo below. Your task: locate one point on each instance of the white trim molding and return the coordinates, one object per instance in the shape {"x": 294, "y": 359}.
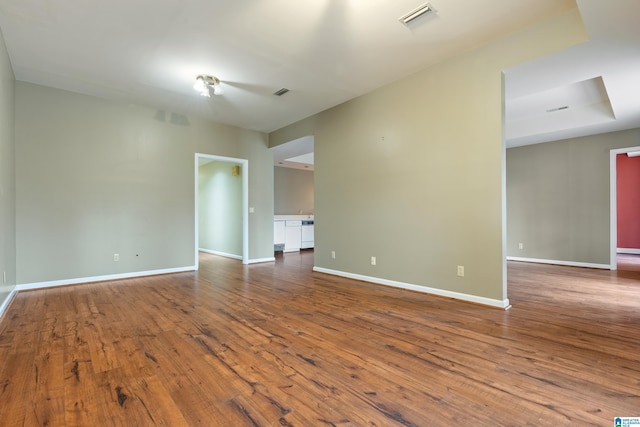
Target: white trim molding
{"x": 613, "y": 203}
{"x": 251, "y": 261}
{"x": 245, "y": 202}
{"x": 223, "y": 254}
{"x": 557, "y": 262}
{"x": 630, "y": 251}
{"x": 504, "y": 304}
{"x": 259, "y": 260}
{"x": 85, "y": 280}
{"x": 7, "y": 301}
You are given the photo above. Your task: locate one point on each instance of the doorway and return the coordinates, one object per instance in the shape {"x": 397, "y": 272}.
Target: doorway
{"x": 613, "y": 196}
{"x": 243, "y": 173}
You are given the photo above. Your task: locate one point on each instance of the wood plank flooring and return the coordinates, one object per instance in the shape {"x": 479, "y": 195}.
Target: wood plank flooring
{"x": 628, "y": 262}
{"x": 278, "y": 345}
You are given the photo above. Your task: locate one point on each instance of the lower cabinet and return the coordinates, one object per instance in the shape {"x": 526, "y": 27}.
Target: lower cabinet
{"x": 290, "y": 235}
{"x": 293, "y": 235}
{"x": 278, "y": 232}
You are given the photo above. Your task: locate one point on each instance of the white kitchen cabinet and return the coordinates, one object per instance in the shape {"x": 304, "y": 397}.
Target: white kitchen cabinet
{"x": 293, "y": 235}
{"x": 279, "y": 235}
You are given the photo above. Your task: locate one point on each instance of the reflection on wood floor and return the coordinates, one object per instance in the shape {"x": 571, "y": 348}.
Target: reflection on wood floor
{"x": 275, "y": 344}
{"x": 628, "y": 262}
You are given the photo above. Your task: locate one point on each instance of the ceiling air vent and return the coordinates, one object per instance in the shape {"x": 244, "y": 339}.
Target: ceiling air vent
{"x": 551, "y": 110}
{"x": 281, "y": 92}
{"x": 416, "y": 13}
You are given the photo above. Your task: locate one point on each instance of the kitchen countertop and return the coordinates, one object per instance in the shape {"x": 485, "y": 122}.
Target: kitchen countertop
{"x": 285, "y": 217}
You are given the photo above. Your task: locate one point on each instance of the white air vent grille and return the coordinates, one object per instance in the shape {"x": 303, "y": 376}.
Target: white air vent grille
{"x": 551, "y": 110}
{"x": 281, "y": 92}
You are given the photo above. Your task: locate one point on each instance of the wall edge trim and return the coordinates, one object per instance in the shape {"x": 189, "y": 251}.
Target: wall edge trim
{"x": 7, "y": 301}
{"x": 504, "y": 304}
{"x": 259, "y": 260}
{"x": 631, "y": 251}
{"x": 93, "y": 279}
{"x": 223, "y": 254}
{"x": 558, "y": 262}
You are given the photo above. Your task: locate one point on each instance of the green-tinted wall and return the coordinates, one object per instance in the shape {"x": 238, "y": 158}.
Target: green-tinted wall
{"x": 7, "y": 177}
{"x": 220, "y": 208}
{"x": 293, "y": 191}
{"x": 95, "y": 178}
{"x": 413, "y": 173}
{"x": 558, "y": 203}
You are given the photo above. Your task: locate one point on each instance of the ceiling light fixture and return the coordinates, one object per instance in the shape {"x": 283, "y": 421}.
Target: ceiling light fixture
{"x": 415, "y": 14}
{"x": 205, "y": 83}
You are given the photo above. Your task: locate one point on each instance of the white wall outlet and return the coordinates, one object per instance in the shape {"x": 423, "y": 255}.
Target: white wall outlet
{"x": 461, "y": 270}
{"x": 333, "y": 254}
{"x": 373, "y": 260}
{"x": 520, "y": 245}
{"x": 252, "y": 210}
{"x": 116, "y": 257}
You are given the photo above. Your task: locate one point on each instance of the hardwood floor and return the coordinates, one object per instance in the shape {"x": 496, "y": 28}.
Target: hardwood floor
{"x": 277, "y": 345}
{"x": 628, "y": 262}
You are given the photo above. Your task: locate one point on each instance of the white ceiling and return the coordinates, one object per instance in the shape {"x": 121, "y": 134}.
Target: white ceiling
{"x": 296, "y": 154}
{"x": 325, "y": 51}
{"x": 599, "y": 81}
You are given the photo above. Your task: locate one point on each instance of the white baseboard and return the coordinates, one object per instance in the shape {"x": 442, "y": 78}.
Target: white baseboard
{"x": 7, "y": 301}
{"x": 424, "y": 289}
{"x": 41, "y": 285}
{"x": 631, "y": 251}
{"x": 251, "y": 261}
{"x": 224, "y": 254}
{"x": 259, "y": 260}
{"x": 556, "y": 262}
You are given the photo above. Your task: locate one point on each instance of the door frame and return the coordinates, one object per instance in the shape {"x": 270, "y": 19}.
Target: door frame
{"x": 244, "y": 163}
{"x": 613, "y": 200}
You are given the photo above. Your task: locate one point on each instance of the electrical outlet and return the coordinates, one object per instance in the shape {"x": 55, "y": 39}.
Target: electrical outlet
{"x": 373, "y": 260}
{"x": 520, "y": 245}
{"x": 461, "y": 270}
{"x": 4, "y": 277}
{"x": 333, "y": 254}
{"x": 116, "y": 257}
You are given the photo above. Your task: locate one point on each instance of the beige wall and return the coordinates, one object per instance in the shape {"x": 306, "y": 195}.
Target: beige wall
{"x": 220, "y": 208}
{"x": 7, "y": 177}
{"x": 412, "y": 173}
{"x": 558, "y": 198}
{"x": 96, "y": 178}
{"x": 293, "y": 191}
